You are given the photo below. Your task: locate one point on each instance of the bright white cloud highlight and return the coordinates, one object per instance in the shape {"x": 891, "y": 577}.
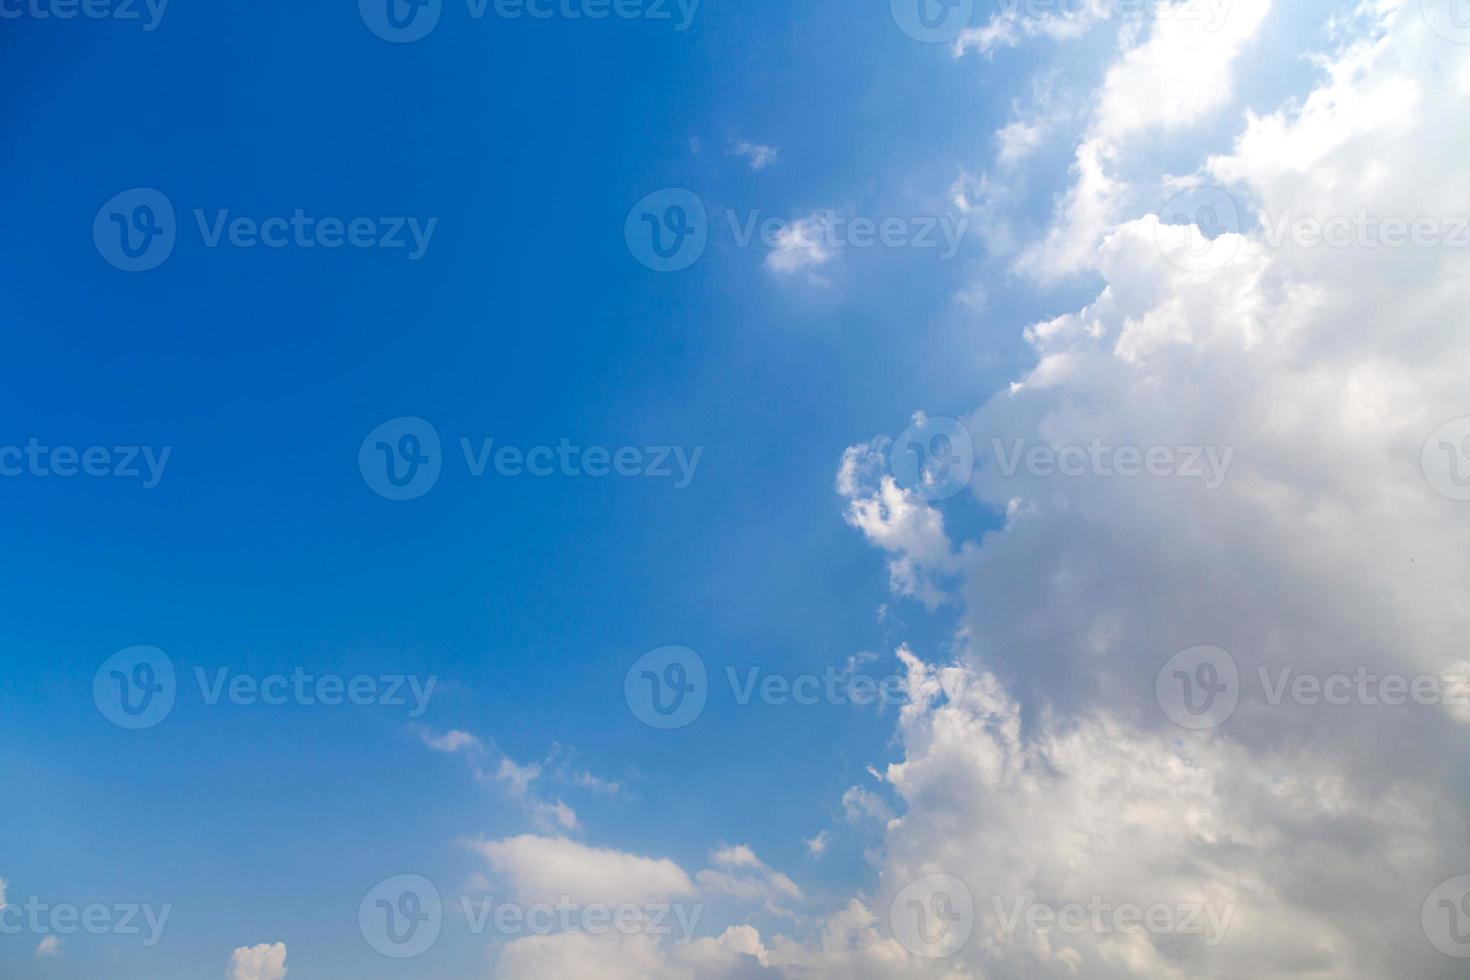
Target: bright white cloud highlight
{"x": 802, "y": 246}
{"x": 263, "y": 962}
{"x": 548, "y": 868}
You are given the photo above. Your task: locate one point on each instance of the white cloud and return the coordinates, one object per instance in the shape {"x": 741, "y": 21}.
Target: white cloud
{"x": 547, "y": 868}
{"x": 859, "y": 805}
{"x": 973, "y": 296}
{"x": 517, "y": 779}
{"x": 1014, "y": 23}
{"x": 817, "y": 846}
{"x": 263, "y": 962}
{"x": 589, "y": 782}
{"x": 520, "y": 782}
{"x": 758, "y": 155}
{"x": 50, "y": 948}
{"x": 1099, "y": 806}
{"x": 898, "y": 521}
{"x": 1183, "y": 72}
{"x": 851, "y": 945}
{"x": 984, "y": 199}
{"x": 1018, "y": 140}
{"x": 556, "y": 814}
{"x": 737, "y": 954}
{"x": 1038, "y": 765}
{"x": 802, "y": 246}
{"x": 739, "y": 856}
{"x": 1180, "y": 74}
{"x": 1054, "y": 774}
{"x": 452, "y": 741}
{"x": 744, "y": 876}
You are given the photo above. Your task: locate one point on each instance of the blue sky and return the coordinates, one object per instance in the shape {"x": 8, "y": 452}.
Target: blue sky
{"x": 529, "y": 320}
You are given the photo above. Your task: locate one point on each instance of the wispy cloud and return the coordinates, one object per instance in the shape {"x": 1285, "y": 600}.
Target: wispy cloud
{"x": 758, "y": 155}
{"x": 452, "y": 741}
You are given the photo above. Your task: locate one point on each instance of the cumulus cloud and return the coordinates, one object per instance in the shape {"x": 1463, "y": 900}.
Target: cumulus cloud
{"x": 1174, "y": 76}
{"x": 263, "y": 962}
{"x": 1311, "y": 834}
{"x": 1182, "y": 72}
{"x": 738, "y": 954}
{"x": 549, "y": 868}
{"x": 1037, "y": 765}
